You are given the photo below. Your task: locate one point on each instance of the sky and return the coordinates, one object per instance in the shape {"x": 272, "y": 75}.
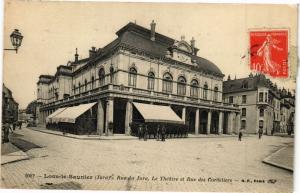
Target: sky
{"x": 53, "y": 30}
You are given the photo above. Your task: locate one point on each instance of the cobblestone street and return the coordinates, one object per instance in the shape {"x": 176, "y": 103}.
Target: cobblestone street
{"x": 221, "y": 163}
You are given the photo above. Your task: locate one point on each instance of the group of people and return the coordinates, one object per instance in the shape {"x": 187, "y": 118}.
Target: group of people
{"x": 160, "y": 132}
{"x": 260, "y": 133}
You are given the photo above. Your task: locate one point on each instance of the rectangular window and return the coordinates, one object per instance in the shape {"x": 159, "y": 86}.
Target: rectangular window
{"x": 231, "y": 99}
{"x": 243, "y": 112}
{"x": 261, "y": 97}
{"x": 261, "y": 112}
{"x": 266, "y": 97}
{"x": 244, "y": 99}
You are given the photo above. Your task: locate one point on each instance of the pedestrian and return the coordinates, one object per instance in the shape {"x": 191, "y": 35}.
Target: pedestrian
{"x": 145, "y": 132}
{"x": 240, "y": 135}
{"x": 163, "y": 133}
{"x": 14, "y": 125}
{"x": 158, "y": 132}
{"x": 260, "y": 132}
{"x": 272, "y": 131}
{"x": 20, "y": 124}
{"x": 140, "y": 131}
{"x": 5, "y": 128}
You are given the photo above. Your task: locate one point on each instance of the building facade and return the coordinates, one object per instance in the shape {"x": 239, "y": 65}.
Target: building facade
{"x": 143, "y": 66}
{"x": 262, "y": 104}
{"x": 9, "y": 106}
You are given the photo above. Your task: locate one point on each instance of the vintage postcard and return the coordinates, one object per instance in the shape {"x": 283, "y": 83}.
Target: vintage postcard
{"x": 148, "y": 96}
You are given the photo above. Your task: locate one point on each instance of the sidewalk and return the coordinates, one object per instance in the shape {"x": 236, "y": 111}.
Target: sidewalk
{"x": 121, "y": 136}
{"x": 85, "y": 137}
{"x": 10, "y": 153}
{"x": 283, "y": 158}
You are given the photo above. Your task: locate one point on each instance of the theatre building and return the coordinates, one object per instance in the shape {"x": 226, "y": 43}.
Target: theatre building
{"x": 141, "y": 76}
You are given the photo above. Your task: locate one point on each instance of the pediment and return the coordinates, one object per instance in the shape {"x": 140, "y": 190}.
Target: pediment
{"x": 183, "y": 46}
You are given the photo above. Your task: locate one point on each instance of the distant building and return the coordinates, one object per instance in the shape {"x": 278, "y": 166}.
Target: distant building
{"x": 23, "y": 115}
{"x": 262, "y": 104}
{"x": 140, "y": 66}
{"x": 9, "y": 106}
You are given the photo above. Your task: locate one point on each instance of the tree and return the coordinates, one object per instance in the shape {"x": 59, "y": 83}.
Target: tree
{"x": 31, "y": 108}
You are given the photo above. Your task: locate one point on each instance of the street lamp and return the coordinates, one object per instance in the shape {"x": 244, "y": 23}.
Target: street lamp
{"x": 16, "y": 40}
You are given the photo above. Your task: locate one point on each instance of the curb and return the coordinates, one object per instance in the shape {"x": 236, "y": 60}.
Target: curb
{"x": 16, "y": 160}
{"x": 267, "y": 161}
{"x": 133, "y": 138}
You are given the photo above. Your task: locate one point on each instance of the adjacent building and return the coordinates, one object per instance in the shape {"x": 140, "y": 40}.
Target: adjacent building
{"x": 9, "y": 106}
{"x": 262, "y": 104}
{"x": 139, "y": 67}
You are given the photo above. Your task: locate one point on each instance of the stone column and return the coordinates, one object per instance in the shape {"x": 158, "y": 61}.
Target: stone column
{"x": 100, "y": 118}
{"x": 128, "y": 117}
{"x": 230, "y": 120}
{"x": 229, "y": 123}
{"x": 221, "y": 117}
{"x": 109, "y": 115}
{"x": 238, "y": 122}
{"x": 183, "y": 114}
{"x": 43, "y": 117}
{"x": 197, "y": 122}
{"x": 208, "y": 122}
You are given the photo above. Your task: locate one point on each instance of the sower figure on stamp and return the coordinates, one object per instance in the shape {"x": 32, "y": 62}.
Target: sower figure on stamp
{"x": 265, "y": 51}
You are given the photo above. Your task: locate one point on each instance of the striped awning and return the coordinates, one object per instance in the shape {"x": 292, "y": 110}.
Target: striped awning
{"x": 158, "y": 113}
{"x": 49, "y": 118}
{"x": 70, "y": 114}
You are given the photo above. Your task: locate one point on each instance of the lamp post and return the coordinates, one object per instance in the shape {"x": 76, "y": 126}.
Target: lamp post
{"x": 16, "y": 40}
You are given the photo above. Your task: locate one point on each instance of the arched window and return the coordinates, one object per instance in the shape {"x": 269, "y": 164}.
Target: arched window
{"x": 216, "y": 92}
{"x": 79, "y": 87}
{"x": 151, "y": 80}
{"x": 132, "y": 77}
{"x": 181, "y": 86}
{"x": 194, "y": 88}
{"x": 85, "y": 85}
{"x": 93, "y": 82}
{"x": 101, "y": 77}
{"x": 205, "y": 90}
{"x": 167, "y": 83}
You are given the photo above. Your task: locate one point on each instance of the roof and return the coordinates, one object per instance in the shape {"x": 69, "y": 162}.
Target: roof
{"x": 160, "y": 46}
{"x": 137, "y": 37}
{"x": 252, "y": 83}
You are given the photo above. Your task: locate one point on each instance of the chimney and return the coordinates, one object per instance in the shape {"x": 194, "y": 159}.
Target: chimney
{"x": 152, "y": 30}
{"x": 193, "y": 45}
{"x": 92, "y": 52}
{"x": 76, "y": 56}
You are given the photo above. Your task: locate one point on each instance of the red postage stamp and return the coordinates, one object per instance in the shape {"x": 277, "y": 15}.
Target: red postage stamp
{"x": 269, "y": 52}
